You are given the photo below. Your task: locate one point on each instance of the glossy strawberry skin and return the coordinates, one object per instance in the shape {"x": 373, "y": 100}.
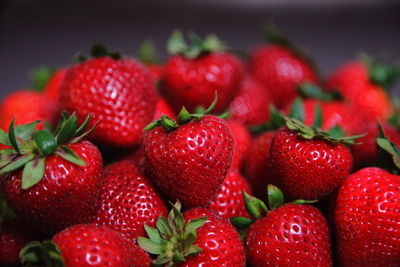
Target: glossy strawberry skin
{"x": 307, "y": 169}
{"x": 118, "y": 93}
{"x": 366, "y": 152}
{"x": 352, "y": 81}
{"x": 28, "y": 106}
{"x": 367, "y": 219}
{"x": 14, "y": 234}
{"x": 256, "y": 167}
{"x": 251, "y": 105}
{"x": 128, "y": 201}
{"x": 280, "y": 71}
{"x": 229, "y": 201}
{"x": 291, "y": 235}
{"x": 193, "y": 82}
{"x": 65, "y": 196}
{"x": 52, "y": 88}
{"x": 91, "y": 245}
{"x": 218, "y": 239}
{"x": 193, "y": 158}
{"x": 241, "y": 138}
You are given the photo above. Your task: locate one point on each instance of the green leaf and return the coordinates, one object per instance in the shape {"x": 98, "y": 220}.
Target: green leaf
{"x": 33, "y": 172}
{"x": 41, "y": 254}
{"x": 193, "y": 250}
{"x": 178, "y": 257}
{"x": 390, "y": 148}
{"x": 178, "y": 217}
{"x": 6, "y": 156}
{"x": 184, "y": 116}
{"x": 40, "y": 77}
{"x": 318, "y": 116}
{"x": 176, "y": 43}
{"x": 17, "y": 163}
{"x": 83, "y": 135}
{"x": 336, "y": 131}
{"x": 297, "y": 110}
{"x": 213, "y": 43}
{"x": 189, "y": 238}
{"x": 25, "y": 131}
{"x": 12, "y": 137}
{"x": 163, "y": 227}
{"x": 152, "y": 125}
{"x": 241, "y": 222}
{"x": 194, "y": 224}
{"x": 303, "y": 201}
{"x": 167, "y": 123}
{"x": 310, "y": 90}
{"x": 147, "y": 53}
{"x": 83, "y": 126}
{"x": 45, "y": 142}
{"x": 275, "y": 197}
{"x": 255, "y": 207}
{"x": 149, "y": 246}
{"x": 68, "y": 154}
{"x": 67, "y": 130}
{"x": 152, "y": 233}
{"x": 212, "y": 106}
{"x": 4, "y": 138}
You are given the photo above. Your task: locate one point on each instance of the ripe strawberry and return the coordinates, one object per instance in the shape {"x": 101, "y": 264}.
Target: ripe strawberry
{"x": 196, "y": 238}
{"x": 117, "y": 91}
{"x": 163, "y": 108}
{"x": 367, "y": 219}
{"x": 53, "y": 85}
{"x": 229, "y": 201}
{"x": 251, "y": 105}
{"x": 147, "y": 54}
{"x": 51, "y": 180}
{"x": 195, "y": 72}
{"x": 355, "y": 81}
{"x": 193, "y": 156}
{"x": 127, "y": 201}
{"x": 308, "y": 163}
{"x": 85, "y": 245}
{"x": 280, "y": 67}
{"x": 257, "y": 162}
{"x": 28, "y": 106}
{"x": 241, "y": 138}
{"x": 366, "y": 153}
{"x": 285, "y": 234}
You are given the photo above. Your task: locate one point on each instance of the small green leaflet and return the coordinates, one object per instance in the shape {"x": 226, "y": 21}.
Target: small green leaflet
{"x": 68, "y": 154}
{"x": 33, "y": 172}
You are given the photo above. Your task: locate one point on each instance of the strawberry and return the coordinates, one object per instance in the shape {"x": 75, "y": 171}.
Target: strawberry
{"x": 52, "y": 87}
{"x": 28, "y": 106}
{"x": 147, "y": 54}
{"x": 251, "y": 105}
{"x": 163, "y": 108}
{"x": 284, "y": 234}
{"x": 191, "y": 156}
{"x": 127, "y": 201}
{"x": 241, "y": 138}
{"x": 194, "y": 72}
{"x": 280, "y": 67}
{"x": 51, "y": 180}
{"x": 118, "y": 92}
{"x": 358, "y": 82}
{"x": 85, "y": 245}
{"x": 196, "y": 238}
{"x": 229, "y": 201}
{"x": 367, "y": 219}
{"x": 307, "y": 162}
{"x": 366, "y": 153}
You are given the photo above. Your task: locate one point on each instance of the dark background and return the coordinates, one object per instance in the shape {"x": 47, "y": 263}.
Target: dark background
{"x": 50, "y": 32}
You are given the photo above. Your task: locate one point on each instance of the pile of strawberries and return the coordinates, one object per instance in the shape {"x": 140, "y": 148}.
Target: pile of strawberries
{"x": 207, "y": 159}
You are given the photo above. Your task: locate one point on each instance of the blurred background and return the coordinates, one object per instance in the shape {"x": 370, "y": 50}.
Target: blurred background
{"x": 47, "y": 32}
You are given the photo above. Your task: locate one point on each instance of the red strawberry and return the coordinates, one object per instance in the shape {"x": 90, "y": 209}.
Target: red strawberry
{"x": 241, "y": 139}
{"x": 148, "y": 55}
{"x": 355, "y": 83}
{"x": 193, "y": 156}
{"x": 196, "y": 238}
{"x": 251, "y": 105}
{"x": 284, "y": 234}
{"x": 163, "y": 108}
{"x": 27, "y": 106}
{"x": 367, "y": 219}
{"x": 59, "y": 183}
{"x": 306, "y": 162}
{"x": 229, "y": 201}
{"x": 85, "y": 245}
{"x": 367, "y": 152}
{"x": 257, "y": 162}
{"x": 116, "y": 91}
{"x": 127, "y": 201}
{"x": 194, "y": 73}
{"x": 52, "y": 87}
{"x": 280, "y": 67}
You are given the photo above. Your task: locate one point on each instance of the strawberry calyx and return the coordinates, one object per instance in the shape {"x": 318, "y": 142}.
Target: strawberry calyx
{"x": 177, "y": 45}
{"x": 311, "y": 90}
{"x": 387, "y": 149}
{"x": 30, "y": 147}
{"x": 259, "y": 209}
{"x": 184, "y": 117}
{"x": 334, "y": 135}
{"x": 99, "y": 50}
{"x": 380, "y": 72}
{"x": 172, "y": 240}
{"x": 40, "y": 77}
{"x": 45, "y": 253}
{"x": 147, "y": 53}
